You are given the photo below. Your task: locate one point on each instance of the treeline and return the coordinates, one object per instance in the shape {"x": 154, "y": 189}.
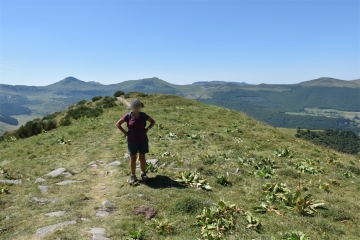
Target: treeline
{"x": 278, "y": 118}
{"x": 342, "y": 141}
{"x": 296, "y": 99}
{"x": 82, "y": 109}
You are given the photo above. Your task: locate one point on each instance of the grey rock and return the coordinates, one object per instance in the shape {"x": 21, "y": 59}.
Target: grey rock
{"x": 66, "y": 182}
{"x": 91, "y": 163}
{"x": 102, "y": 213}
{"x": 97, "y": 231}
{"x": 108, "y": 204}
{"x": 113, "y": 164}
{"x": 27, "y": 179}
{"x": 40, "y": 180}
{"x": 84, "y": 219}
{"x": 99, "y": 237}
{"x": 152, "y": 161}
{"x": 67, "y": 174}
{"x": 11, "y": 181}
{"x": 140, "y": 195}
{"x": 43, "y": 189}
{"x": 42, "y": 232}
{"x": 93, "y": 166}
{"x": 56, "y": 172}
{"x": 44, "y": 200}
{"x": 7, "y": 218}
{"x": 55, "y": 214}
{"x": 127, "y": 156}
{"x": 237, "y": 170}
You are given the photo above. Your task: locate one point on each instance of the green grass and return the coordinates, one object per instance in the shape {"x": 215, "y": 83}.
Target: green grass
{"x": 222, "y": 137}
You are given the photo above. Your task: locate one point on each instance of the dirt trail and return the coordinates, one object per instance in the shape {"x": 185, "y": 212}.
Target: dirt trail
{"x": 126, "y": 102}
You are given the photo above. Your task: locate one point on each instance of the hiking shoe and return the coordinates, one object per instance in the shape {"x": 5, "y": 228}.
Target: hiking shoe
{"x": 144, "y": 177}
{"x": 133, "y": 179}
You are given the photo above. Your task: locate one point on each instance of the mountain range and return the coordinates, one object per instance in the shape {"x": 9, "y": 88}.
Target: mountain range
{"x": 319, "y": 103}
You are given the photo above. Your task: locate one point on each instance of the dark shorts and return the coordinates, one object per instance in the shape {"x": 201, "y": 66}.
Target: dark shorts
{"x": 141, "y": 147}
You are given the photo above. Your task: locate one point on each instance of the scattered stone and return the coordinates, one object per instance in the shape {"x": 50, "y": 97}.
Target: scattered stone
{"x": 108, "y": 204}
{"x": 67, "y": 174}
{"x": 152, "y": 161}
{"x": 140, "y": 195}
{"x": 99, "y": 237}
{"x": 127, "y": 156}
{"x": 56, "y": 172}
{"x": 227, "y": 174}
{"x": 40, "y": 180}
{"x": 98, "y": 233}
{"x": 91, "y": 163}
{"x": 42, "y": 232}
{"x": 27, "y": 179}
{"x": 55, "y": 214}
{"x": 84, "y": 219}
{"x": 44, "y": 200}
{"x": 109, "y": 148}
{"x": 66, "y": 182}
{"x": 113, "y": 164}
{"x": 11, "y": 181}
{"x": 102, "y": 213}
{"x": 146, "y": 211}
{"x": 7, "y": 218}
{"x": 237, "y": 170}
{"x": 93, "y": 166}
{"x": 43, "y": 189}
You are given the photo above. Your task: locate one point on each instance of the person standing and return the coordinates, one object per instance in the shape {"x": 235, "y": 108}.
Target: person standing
{"x": 137, "y": 139}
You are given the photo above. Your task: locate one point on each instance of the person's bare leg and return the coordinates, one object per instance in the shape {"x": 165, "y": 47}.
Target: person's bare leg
{"x": 142, "y": 162}
{"x": 133, "y": 163}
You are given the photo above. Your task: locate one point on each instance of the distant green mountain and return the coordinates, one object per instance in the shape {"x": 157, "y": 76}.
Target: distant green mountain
{"x": 281, "y": 105}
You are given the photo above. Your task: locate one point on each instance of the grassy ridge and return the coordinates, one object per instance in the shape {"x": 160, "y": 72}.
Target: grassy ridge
{"x": 213, "y": 140}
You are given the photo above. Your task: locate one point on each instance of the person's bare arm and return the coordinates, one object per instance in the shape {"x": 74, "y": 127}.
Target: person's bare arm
{"x": 152, "y": 123}
{"x": 118, "y": 125}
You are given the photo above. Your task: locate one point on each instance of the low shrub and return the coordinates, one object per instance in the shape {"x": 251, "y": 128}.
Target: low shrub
{"x": 97, "y": 98}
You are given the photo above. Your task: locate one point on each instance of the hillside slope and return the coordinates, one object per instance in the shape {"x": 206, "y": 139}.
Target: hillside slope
{"x": 189, "y": 136}
{"x": 281, "y": 105}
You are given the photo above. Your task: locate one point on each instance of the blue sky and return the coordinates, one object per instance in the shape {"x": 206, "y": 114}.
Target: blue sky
{"x": 42, "y": 42}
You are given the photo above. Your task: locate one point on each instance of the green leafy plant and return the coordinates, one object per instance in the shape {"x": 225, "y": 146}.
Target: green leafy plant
{"x": 137, "y": 235}
{"x": 223, "y": 181}
{"x": 193, "y": 136}
{"x": 172, "y": 135}
{"x": 63, "y": 141}
{"x": 4, "y": 189}
{"x": 193, "y": 179}
{"x": 282, "y": 153}
{"x": 207, "y": 159}
{"x": 294, "y": 235}
{"x": 308, "y": 166}
{"x": 165, "y": 154}
{"x": 5, "y": 174}
{"x": 252, "y": 222}
{"x": 265, "y": 172}
{"x": 324, "y": 186}
{"x": 275, "y": 191}
{"x": 163, "y": 227}
{"x": 215, "y": 221}
{"x": 347, "y": 175}
{"x": 151, "y": 168}
{"x": 303, "y": 205}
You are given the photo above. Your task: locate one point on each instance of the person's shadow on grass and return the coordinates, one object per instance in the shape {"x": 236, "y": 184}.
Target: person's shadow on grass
{"x": 160, "y": 181}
